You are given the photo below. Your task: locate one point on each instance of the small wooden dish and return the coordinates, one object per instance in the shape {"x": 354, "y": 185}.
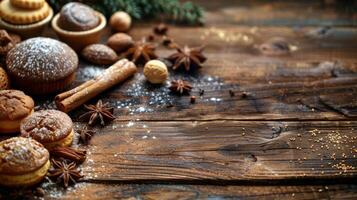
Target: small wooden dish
{"x": 79, "y": 39}
{"x": 27, "y": 30}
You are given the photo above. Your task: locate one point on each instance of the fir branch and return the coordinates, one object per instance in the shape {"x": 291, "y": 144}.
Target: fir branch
{"x": 171, "y": 10}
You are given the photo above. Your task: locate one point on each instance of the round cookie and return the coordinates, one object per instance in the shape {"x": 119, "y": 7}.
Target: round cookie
{"x": 4, "y": 80}
{"x": 14, "y": 107}
{"x": 28, "y": 4}
{"x": 23, "y": 162}
{"x": 76, "y": 16}
{"x": 42, "y": 65}
{"x": 15, "y": 15}
{"x": 51, "y": 128}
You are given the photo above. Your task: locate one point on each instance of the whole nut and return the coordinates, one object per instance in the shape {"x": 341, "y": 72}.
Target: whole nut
{"x": 155, "y": 71}
{"x": 120, "y": 42}
{"x": 99, "y": 54}
{"x": 120, "y": 21}
{"x": 4, "y": 80}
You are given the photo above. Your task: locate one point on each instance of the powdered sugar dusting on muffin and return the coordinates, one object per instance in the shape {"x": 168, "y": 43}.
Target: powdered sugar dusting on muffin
{"x": 42, "y": 59}
{"x": 47, "y": 126}
{"x": 19, "y": 151}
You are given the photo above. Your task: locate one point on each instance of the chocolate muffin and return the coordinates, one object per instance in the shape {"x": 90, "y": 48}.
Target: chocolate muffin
{"x": 77, "y": 17}
{"x": 23, "y": 162}
{"x": 14, "y": 107}
{"x": 49, "y": 127}
{"x": 42, "y": 65}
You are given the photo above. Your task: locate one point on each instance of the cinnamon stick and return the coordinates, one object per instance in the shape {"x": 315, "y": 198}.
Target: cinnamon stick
{"x": 115, "y": 74}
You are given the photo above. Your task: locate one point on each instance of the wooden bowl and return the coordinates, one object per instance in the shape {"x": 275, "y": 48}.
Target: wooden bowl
{"x": 79, "y": 39}
{"x": 28, "y": 30}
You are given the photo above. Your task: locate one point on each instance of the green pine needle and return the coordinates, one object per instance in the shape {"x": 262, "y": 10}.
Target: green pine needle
{"x": 172, "y": 10}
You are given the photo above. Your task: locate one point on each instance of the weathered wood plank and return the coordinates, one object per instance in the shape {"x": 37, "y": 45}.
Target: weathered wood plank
{"x": 161, "y": 191}
{"x": 222, "y": 150}
{"x": 300, "y": 85}
{"x": 314, "y": 44}
{"x": 279, "y": 13}
{"x": 98, "y": 191}
{"x": 324, "y": 99}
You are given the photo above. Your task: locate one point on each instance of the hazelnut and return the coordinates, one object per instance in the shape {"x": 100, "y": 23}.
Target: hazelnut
{"x": 120, "y": 21}
{"x": 120, "y": 42}
{"x": 99, "y": 54}
{"x": 4, "y": 80}
{"x": 155, "y": 71}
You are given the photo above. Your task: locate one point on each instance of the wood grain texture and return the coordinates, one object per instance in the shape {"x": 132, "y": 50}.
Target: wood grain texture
{"x": 278, "y": 13}
{"x": 292, "y": 135}
{"x": 186, "y": 192}
{"x": 222, "y": 151}
{"x": 302, "y": 85}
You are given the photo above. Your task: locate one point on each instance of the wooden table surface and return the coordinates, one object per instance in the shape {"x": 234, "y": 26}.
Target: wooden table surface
{"x": 293, "y": 136}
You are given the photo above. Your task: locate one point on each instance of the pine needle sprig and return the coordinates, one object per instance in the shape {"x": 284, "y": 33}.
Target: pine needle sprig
{"x": 171, "y": 10}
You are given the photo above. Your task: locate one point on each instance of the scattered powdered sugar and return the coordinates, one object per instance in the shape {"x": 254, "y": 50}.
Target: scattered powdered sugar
{"x": 89, "y": 72}
{"x": 19, "y": 150}
{"x": 42, "y": 59}
{"x": 47, "y": 125}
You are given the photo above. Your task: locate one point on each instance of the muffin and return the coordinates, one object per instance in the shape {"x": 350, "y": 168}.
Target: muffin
{"x": 42, "y": 65}
{"x": 23, "y": 162}
{"x": 51, "y": 128}
{"x": 14, "y": 107}
{"x": 76, "y": 16}
{"x": 14, "y": 12}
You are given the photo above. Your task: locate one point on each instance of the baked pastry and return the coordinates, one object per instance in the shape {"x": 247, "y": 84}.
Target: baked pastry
{"x": 42, "y": 65}
{"x": 17, "y": 15}
{"x": 51, "y": 128}
{"x": 28, "y": 4}
{"x": 99, "y": 54}
{"x": 7, "y": 41}
{"x": 4, "y": 80}
{"x": 14, "y": 107}
{"x": 76, "y": 16}
{"x": 23, "y": 162}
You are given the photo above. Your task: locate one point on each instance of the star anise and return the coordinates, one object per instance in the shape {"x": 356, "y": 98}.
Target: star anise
{"x": 161, "y": 29}
{"x": 187, "y": 57}
{"x": 99, "y": 112}
{"x": 180, "y": 86}
{"x": 169, "y": 42}
{"x": 65, "y": 173}
{"x": 141, "y": 50}
{"x": 85, "y": 135}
